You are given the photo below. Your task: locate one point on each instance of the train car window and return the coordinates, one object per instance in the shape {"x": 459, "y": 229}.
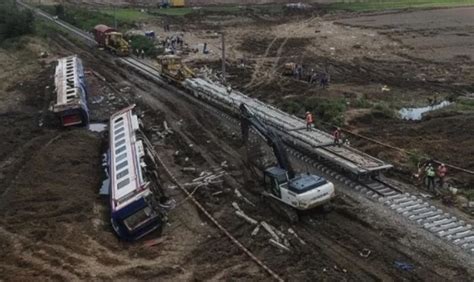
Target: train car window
{"x": 121, "y": 165}
{"x": 123, "y": 183}
{"x": 122, "y": 174}
{"x": 121, "y": 129}
{"x": 121, "y": 157}
{"x": 120, "y": 150}
{"x": 120, "y": 136}
{"x": 118, "y": 124}
{"x": 138, "y": 218}
{"x": 119, "y": 143}
{"x": 118, "y": 120}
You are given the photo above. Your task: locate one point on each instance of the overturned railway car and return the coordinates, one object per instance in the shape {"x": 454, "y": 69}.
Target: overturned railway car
{"x": 134, "y": 185}
{"x": 71, "y": 92}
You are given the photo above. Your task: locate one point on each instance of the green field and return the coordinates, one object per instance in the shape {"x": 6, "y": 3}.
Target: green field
{"x": 127, "y": 15}
{"x": 372, "y": 5}
{"x": 186, "y": 11}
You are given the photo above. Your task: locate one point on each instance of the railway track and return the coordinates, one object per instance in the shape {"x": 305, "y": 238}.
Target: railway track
{"x": 413, "y": 208}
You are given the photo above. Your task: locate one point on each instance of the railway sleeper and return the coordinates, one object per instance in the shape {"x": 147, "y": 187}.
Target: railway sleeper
{"x": 433, "y": 218}
{"x": 464, "y": 240}
{"x": 424, "y": 208}
{"x": 429, "y": 213}
{"x": 460, "y": 235}
{"x": 412, "y": 207}
{"x": 446, "y": 227}
{"x": 455, "y": 230}
{"x": 440, "y": 222}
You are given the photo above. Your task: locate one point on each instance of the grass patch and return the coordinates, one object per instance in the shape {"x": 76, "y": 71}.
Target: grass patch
{"x": 465, "y": 104}
{"x": 186, "y": 11}
{"x": 372, "y": 5}
{"x": 331, "y": 111}
{"x": 362, "y": 103}
{"x": 233, "y": 10}
{"x": 87, "y": 19}
{"x": 172, "y": 11}
{"x": 384, "y": 110}
{"x": 140, "y": 42}
{"x": 127, "y": 15}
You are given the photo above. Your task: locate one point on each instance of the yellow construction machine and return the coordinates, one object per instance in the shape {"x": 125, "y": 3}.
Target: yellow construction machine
{"x": 172, "y": 68}
{"x": 112, "y": 40}
{"x": 289, "y": 68}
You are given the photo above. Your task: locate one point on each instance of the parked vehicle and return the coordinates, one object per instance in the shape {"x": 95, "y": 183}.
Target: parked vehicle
{"x": 112, "y": 40}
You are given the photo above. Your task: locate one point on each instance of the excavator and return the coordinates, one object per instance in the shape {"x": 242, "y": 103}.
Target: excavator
{"x": 291, "y": 191}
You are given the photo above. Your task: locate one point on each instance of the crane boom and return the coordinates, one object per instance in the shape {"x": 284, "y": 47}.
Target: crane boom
{"x": 247, "y": 119}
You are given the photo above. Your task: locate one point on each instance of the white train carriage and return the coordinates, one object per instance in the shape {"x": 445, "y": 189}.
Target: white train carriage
{"x": 134, "y": 185}
{"x": 71, "y": 92}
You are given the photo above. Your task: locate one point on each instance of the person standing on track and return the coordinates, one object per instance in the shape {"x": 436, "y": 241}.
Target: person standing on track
{"x": 337, "y": 136}
{"x": 430, "y": 177}
{"x": 309, "y": 121}
{"x": 441, "y": 174}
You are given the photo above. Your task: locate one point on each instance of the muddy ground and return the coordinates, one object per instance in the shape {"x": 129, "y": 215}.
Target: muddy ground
{"x": 53, "y": 224}
{"x": 378, "y": 64}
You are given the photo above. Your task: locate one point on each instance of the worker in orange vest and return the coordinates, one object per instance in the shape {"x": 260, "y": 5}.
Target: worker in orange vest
{"x": 442, "y": 174}
{"x": 309, "y": 121}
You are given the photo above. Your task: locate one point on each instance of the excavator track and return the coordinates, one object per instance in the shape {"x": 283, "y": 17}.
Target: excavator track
{"x": 283, "y": 210}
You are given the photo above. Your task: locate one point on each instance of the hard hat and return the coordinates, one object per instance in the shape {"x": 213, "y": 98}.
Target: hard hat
{"x": 442, "y": 164}
{"x": 307, "y": 113}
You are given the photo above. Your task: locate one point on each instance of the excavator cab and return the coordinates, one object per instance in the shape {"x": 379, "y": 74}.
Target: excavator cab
{"x": 274, "y": 178}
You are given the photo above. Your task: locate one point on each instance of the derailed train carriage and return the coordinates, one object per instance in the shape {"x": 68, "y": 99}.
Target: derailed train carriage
{"x": 135, "y": 193}
{"x": 71, "y": 90}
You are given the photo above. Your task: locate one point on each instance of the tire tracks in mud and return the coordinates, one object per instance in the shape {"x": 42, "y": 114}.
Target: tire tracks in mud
{"x": 17, "y": 160}
{"x": 259, "y": 73}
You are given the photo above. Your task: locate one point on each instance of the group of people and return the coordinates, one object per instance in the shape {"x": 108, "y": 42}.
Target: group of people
{"x": 430, "y": 174}
{"x": 426, "y": 171}
{"x": 312, "y": 77}
{"x": 140, "y": 53}
{"x": 173, "y": 43}
{"x": 337, "y": 135}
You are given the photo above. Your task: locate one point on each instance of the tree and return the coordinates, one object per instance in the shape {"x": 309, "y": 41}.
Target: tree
{"x": 59, "y": 11}
{"x": 14, "y": 22}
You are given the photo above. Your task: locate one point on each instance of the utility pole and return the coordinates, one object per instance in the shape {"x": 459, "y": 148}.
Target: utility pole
{"x": 223, "y": 57}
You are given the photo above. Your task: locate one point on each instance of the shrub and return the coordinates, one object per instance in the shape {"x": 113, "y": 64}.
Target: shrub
{"x": 290, "y": 107}
{"x": 383, "y": 110}
{"x": 331, "y": 111}
{"x": 142, "y": 42}
{"x": 14, "y": 22}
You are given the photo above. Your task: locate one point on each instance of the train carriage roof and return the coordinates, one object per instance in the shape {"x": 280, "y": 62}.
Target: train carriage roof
{"x": 67, "y": 79}
{"x": 103, "y": 28}
{"x": 125, "y": 152}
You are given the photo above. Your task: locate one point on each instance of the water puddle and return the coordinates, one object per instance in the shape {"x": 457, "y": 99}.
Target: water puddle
{"x": 97, "y": 127}
{"x": 417, "y": 113}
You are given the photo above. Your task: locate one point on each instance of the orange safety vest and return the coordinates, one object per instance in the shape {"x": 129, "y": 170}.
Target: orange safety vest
{"x": 309, "y": 118}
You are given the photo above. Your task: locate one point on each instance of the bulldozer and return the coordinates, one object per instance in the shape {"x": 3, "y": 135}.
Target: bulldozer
{"x": 173, "y": 69}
